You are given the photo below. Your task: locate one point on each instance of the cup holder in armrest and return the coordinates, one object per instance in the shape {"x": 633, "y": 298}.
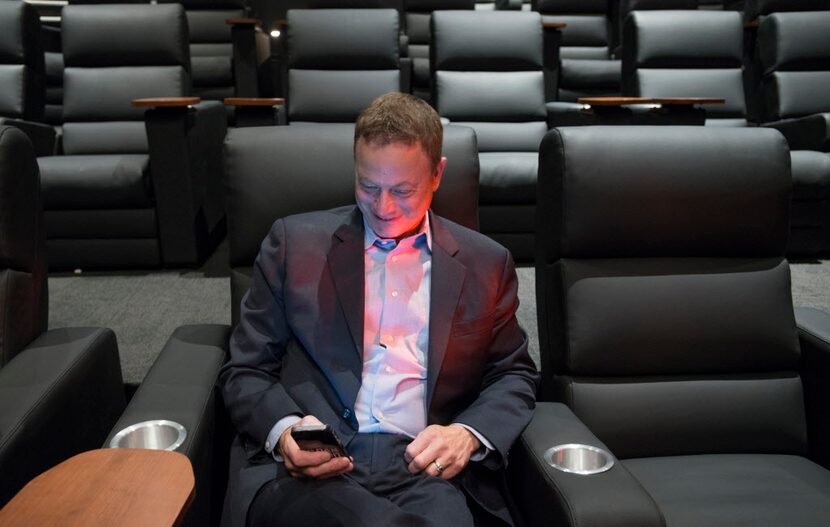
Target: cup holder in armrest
{"x": 579, "y": 459}
{"x": 158, "y": 434}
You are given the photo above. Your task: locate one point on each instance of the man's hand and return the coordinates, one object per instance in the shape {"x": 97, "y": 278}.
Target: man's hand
{"x": 306, "y": 464}
{"x": 441, "y": 451}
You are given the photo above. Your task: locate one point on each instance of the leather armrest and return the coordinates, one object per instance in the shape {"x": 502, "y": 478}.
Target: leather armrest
{"x": 561, "y": 113}
{"x": 547, "y": 496}
{"x": 42, "y": 136}
{"x": 806, "y": 133}
{"x": 254, "y": 101}
{"x": 814, "y": 338}
{"x": 186, "y": 161}
{"x": 58, "y": 397}
{"x": 180, "y": 387}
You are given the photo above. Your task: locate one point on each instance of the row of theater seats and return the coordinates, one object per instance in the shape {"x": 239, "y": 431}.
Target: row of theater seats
{"x": 667, "y": 330}
{"x": 109, "y": 204}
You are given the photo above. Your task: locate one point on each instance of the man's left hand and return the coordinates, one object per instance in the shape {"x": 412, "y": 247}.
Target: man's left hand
{"x": 441, "y": 451}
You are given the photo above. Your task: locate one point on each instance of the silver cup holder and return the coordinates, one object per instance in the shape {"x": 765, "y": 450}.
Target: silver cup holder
{"x": 158, "y": 434}
{"x": 579, "y": 459}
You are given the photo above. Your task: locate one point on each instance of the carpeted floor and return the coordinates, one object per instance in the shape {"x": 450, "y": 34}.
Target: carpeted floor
{"x": 144, "y": 308}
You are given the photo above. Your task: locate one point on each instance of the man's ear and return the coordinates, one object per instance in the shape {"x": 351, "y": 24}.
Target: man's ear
{"x": 439, "y": 173}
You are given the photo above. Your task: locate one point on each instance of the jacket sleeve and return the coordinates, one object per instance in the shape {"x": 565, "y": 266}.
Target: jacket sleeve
{"x": 250, "y": 381}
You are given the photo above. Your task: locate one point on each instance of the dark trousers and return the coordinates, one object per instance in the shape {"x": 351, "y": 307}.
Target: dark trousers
{"x": 379, "y": 491}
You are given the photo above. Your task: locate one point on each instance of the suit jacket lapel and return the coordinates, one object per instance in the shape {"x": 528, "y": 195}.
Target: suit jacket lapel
{"x": 345, "y": 262}
{"x": 447, "y": 280}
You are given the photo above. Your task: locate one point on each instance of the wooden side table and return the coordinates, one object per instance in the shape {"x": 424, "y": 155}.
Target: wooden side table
{"x": 119, "y": 486}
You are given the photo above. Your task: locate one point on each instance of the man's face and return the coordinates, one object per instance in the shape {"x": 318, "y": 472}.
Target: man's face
{"x": 394, "y": 185}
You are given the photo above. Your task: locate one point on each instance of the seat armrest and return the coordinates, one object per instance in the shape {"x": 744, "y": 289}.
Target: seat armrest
{"x": 42, "y": 136}
{"x": 562, "y": 113}
{"x": 805, "y": 133}
{"x": 814, "y": 338}
{"x": 257, "y": 111}
{"x": 180, "y": 387}
{"x": 185, "y": 143}
{"x": 547, "y": 496}
{"x": 58, "y": 397}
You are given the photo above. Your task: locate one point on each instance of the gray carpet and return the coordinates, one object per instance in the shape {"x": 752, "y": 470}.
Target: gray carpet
{"x": 144, "y": 308}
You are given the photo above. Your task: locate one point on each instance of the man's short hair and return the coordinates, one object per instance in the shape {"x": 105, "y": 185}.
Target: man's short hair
{"x": 401, "y": 118}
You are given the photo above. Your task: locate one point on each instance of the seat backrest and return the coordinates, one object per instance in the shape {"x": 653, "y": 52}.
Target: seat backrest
{"x": 755, "y": 9}
{"x": 113, "y": 54}
{"x": 621, "y": 8}
{"x": 22, "y": 76}
{"x": 418, "y": 13}
{"x": 488, "y": 75}
{"x": 273, "y": 172}
{"x": 794, "y": 52}
{"x": 685, "y": 54}
{"x": 24, "y": 298}
{"x": 665, "y": 311}
{"x": 586, "y": 35}
{"x": 211, "y": 48}
{"x": 339, "y": 61}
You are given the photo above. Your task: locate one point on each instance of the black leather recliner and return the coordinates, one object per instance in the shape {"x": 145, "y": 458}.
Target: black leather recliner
{"x": 667, "y": 329}
{"x": 22, "y": 75}
{"x": 794, "y": 52}
{"x": 120, "y": 196}
{"x": 670, "y": 53}
{"x": 317, "y": 164}
{"x": 61, "y": 389}
{"x": 488, "y": 74}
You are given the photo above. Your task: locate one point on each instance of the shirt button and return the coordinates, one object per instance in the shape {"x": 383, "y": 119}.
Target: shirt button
{"x": 389, "y": 339}
{"x": 380, "y": 415}
{"x": 268, "y": 445}
{"x": 388, "y": 369}
{"x": 394, "y": 293}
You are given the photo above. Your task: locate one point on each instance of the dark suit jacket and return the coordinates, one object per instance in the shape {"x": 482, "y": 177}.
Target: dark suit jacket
{"x": 298, "y": 345}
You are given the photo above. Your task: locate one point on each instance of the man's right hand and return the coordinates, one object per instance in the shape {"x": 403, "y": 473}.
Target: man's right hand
{"x": 307, "y": 464}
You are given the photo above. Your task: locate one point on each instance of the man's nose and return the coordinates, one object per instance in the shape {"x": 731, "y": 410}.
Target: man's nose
{"x": 385, "y": 203}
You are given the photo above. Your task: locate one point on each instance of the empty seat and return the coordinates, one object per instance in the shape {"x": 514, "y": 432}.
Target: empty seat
{"x": 488, "y": 75}
{"x": 687, "y": 54}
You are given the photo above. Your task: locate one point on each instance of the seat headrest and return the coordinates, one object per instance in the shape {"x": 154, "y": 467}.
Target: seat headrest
{"x": 795, "y": 42}
{"x": 365, "y": 39}
{"x": 125, "y": 35}
{"x": 758, "y": 8}
{"x": 671, "y": 191}
{"x": 682, "y": 39}
{"x": 571, "y": 7}
{"x": 486, "y": 40}
{"x": 20, "y": 34}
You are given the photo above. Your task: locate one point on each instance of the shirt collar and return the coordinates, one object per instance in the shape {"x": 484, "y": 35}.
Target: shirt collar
{"x": 424, "y": 231}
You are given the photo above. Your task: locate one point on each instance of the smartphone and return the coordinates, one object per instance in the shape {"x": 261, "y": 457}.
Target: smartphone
{"x": 318, "y": 438}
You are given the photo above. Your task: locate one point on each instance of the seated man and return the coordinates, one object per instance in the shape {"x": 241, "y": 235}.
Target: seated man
{"x": 395, "y": 327}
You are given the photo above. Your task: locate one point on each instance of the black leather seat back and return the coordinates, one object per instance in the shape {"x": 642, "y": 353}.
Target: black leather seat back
{"x": 24, "y": 298}
{"x": 113, "y": 54}
{"x": 586, "y": 34}
{"x": 622, "y": 8}
{"x": 794, "y": 50}
{"x": 488, "y": 75}
{"x": 277, "y": 171}
{"x": 211, "y": 49}
{"x": 755, "y": 9}
{"x": 22, "y": 76}
{"x": 685, "y": 54}
{"x": 339, "y": 61}
{"x": 665, "y": 311}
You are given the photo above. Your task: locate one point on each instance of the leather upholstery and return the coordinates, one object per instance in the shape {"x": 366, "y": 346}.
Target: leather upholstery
{"x": 693, "y": 382}
{"x": 22, "y": 76}
{"x": 339, "y": 61}
{"x": 686, "y": 54}
{"x": 754, "y": 9}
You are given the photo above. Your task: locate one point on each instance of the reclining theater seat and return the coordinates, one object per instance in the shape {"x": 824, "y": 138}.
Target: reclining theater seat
{"x": 586, "y": 65}
{"x": 107, "y": 203}
{"x": 339, "y": 61}
{"x": 418, "y": 14}
{"x": 22, "y": 75}
{"x": 488, "y": 75}
{"x": 686, "y": 54}
{"x": 317, "y": 163}
{"x": 622, "y": 8}
{"x": 61, "y": 389}
{"x": 794, "y": 52}
{"x": 667, "y": 326}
